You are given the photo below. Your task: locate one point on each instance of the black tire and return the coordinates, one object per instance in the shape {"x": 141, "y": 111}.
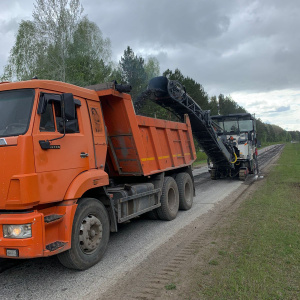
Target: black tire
{"x": 186, "y": 190}
{"x": 90, "y": 235}
{"x": 169, "y": 200}
{"x": 242, "y": 174}
{"x": 256, "y": 165}
{"x": 213, "y": 174}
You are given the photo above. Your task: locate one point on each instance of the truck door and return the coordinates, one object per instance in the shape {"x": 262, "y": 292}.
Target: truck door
{"x": 69, "y": 155}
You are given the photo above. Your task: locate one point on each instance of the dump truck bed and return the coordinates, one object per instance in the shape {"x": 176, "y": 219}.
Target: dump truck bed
{"x": 139, "y": 145}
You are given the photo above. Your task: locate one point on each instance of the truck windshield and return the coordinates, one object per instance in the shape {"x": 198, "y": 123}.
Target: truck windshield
{"x": 235, "y": 125}
{"x": 231, "y": 126}
{"x": 246, "y": 125}
{"x": 15, "y": 111}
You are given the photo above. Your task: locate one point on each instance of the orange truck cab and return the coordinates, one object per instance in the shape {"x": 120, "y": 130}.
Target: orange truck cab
{"x": 76, "y": 161}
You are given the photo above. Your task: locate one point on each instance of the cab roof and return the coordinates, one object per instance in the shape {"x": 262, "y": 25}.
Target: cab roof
{"x": 240, "y": 115}
{"x": 55, "y": 86}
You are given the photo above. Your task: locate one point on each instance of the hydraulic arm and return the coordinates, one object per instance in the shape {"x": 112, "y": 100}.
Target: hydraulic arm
{"x": 171, "y": 95}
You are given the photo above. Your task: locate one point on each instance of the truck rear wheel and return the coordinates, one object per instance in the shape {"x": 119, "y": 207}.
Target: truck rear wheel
{"x": 169, "y": 200}
{"x": 185, "y": 189}
{"x": 90, "y": 235}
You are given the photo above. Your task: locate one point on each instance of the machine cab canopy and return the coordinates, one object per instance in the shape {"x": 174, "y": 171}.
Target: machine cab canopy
{"x": 234, "y": 123}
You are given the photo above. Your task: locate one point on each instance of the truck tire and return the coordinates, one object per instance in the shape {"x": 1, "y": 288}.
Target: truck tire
{"x": 169, "y": 200}
{"x": 90, "y": 235}
{"x": 213, "y": 174}
{"x": 185, "y": 189}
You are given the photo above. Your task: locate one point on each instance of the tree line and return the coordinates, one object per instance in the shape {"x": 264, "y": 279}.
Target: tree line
{"x": 60, "y": 43}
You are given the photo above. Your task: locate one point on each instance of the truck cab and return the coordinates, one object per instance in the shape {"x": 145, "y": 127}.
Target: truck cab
{"x": 34, "y": 179}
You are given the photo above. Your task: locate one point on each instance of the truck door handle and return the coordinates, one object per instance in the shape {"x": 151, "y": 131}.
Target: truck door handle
{"x": 83, "y": 155}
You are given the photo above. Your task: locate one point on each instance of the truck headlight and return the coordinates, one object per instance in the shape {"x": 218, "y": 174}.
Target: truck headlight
{"x": 20, "y": 231}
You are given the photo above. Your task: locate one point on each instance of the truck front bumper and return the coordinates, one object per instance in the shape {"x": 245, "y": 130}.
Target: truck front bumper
{"x": 23, "y": 247}
{"x": 51, "y": 231}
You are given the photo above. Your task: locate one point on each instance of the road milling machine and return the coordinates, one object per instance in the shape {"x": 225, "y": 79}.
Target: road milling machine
{"x": 240, "y": 131}
{"x": 229, "y": 141}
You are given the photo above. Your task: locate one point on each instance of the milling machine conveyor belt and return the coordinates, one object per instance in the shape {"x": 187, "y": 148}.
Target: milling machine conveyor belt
{"x": 172, "y": 96}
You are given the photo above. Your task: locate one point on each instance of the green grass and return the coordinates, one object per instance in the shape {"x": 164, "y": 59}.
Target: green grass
{"x": 213, "y": 262}
{"x": 171, "y": 286}
{"x": 201, "y": 158}
{"x": 260, "y": 253}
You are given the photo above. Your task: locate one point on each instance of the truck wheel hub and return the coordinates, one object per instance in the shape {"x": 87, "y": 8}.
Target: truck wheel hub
{"x": 90, "y": 234}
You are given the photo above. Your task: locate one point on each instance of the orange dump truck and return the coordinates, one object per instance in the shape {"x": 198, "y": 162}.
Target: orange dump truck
{"x": 75, "y": 162}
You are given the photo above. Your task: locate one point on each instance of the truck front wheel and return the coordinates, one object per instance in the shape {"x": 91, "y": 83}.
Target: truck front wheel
{"x": 90, "y": 235}
{"x": 169, "y": 200}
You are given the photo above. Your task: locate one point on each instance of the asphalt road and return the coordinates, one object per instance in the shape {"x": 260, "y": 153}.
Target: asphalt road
{"x": 46, "y": 279}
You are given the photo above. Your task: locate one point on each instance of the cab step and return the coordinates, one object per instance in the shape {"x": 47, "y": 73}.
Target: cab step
{"x": 55, "y": 245}
{"x": 52, "y": 218}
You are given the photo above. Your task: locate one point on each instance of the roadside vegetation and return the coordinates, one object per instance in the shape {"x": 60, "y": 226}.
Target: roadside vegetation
{"x": 201, "y": 159}
{"x": 257, "y": 255}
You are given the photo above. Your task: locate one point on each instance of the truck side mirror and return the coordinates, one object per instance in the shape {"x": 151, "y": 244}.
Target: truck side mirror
{"x": 69, "y": 123}
{"x": 42, "y": 104}
{"x": 68, "y": 106}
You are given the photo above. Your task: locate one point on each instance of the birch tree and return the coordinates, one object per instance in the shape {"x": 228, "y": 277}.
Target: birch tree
{"x": 59, "y": 44}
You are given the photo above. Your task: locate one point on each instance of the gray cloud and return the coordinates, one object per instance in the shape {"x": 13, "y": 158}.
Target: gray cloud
{"x": 8, "y": 28}
{"x": 283, "y": 108}
{"x": 237, "y": 45}
{"x": 11, "y": 14}
{"x": 10, "y": 25}
{"x": 256, "y": 103}
{"x": 242, "y": 47}
{"x": 228, "y": 46}
{"x": 278, "y": 110}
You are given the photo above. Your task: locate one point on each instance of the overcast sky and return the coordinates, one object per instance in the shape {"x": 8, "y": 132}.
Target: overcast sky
{"x": 242, "y": 48}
